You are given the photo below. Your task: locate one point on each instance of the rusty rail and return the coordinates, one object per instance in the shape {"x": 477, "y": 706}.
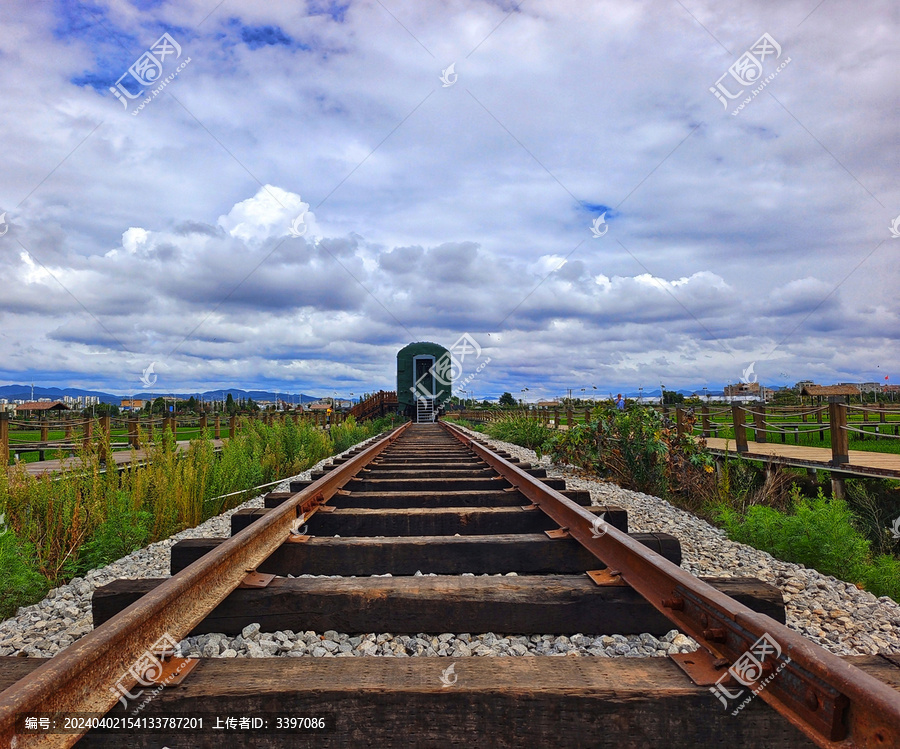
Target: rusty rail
{"x": 833, "y": 703}
{"x": 79, "y": 678}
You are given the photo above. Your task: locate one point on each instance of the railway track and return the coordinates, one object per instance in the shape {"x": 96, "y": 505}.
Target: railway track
{"x": 423, "y": 528}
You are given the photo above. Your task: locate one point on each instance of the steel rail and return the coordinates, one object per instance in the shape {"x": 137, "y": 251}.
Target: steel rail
{"x": 833, "y": 703}
{"x": 80, "y": 678}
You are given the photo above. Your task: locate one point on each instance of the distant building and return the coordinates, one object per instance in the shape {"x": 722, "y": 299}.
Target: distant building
{"x": 37, "y": 407}
{"x": 131, "y": 404}
{"x": 547, "y": 404}
{"x": 865, "y": 387}
{"x": 745, "y": 391}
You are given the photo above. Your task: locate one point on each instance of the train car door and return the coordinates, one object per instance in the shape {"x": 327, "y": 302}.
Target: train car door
{"x": 424, "y": 386}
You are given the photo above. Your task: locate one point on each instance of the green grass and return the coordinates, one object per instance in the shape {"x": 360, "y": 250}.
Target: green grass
{"x": 20, "y": 582}
{"x": 520, "y": 430}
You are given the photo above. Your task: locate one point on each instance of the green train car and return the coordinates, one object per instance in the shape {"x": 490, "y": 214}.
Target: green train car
{"x": 423, "y": 380}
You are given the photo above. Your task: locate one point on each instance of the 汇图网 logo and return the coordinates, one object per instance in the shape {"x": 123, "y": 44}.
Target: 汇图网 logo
{"x": 746, "y": 71}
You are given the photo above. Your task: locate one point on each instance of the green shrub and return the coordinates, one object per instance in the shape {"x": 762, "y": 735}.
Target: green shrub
{"x": 819, "y": 533}
{"x": 475, "y": 426}
{"x": 577, "y": 447}
{"x": 520, "y": 430}
{"x": 122, "y": 531}
{"x": 20, "y": 581}
{"x": 639, "y": 449}
{"x": 633, "y": 447}
{"x": 882, "y": 576}
{"x": 875, "y": 503}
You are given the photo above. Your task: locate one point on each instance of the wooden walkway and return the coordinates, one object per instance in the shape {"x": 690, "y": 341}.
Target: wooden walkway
{"x": 121, "y": 459}
{"x": 862, "y": 462}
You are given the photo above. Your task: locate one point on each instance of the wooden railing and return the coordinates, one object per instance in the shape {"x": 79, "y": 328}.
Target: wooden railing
{"x": 375, "y": 406}
{"x": 67, "y": 435}
{"x": 831, "y": 423}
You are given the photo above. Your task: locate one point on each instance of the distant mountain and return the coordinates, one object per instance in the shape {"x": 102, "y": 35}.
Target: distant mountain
{"x": 237, "y": 394}
{"x": 23, "y": 392}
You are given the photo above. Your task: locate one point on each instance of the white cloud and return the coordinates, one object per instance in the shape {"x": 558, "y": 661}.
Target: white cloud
{"x": 268, "y": 213}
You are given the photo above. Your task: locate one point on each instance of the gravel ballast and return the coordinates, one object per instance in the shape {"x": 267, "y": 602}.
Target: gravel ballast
{"x": 836, "y": 615}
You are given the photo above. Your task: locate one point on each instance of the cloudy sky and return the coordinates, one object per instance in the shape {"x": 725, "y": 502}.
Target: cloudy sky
{"x": 442, "y": 165}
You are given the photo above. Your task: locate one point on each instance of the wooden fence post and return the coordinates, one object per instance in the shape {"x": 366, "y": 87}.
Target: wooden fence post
{"x": 587, "y": 416}
{"x": 133, "y": 440}
{"x": 105, "y": 429}
{"x": 704, "y": 411}
{"x": 821, "y": 431}
{"x": 4, "y": 435}
{"x": 218, "y": 427}
{"x": 88, "y": 433}
{"x": 740, "y": 433}
{"x": 570, "y": 418}
{"x": 759, "y": 424}
{"x": 45, "y": 431}
{"x": 679, "y": 421}
{"x": 232, "y": 426}
{"x": 840, "y": 437}
{"x": 556, "y": 419}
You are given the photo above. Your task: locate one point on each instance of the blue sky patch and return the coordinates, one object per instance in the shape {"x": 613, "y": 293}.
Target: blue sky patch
{"x": 598, "y": 208}
{"x": 265, "y": 36}
{"x": 337, "y": 11}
